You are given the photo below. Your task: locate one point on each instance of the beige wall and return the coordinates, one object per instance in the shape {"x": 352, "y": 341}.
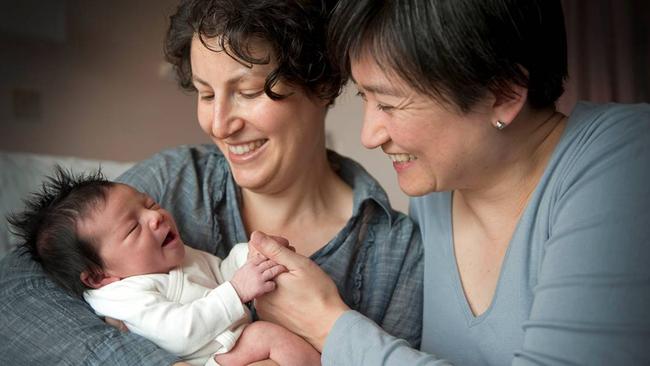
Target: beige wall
{"x": 101, "y": 91}
{"x": 105, "y": 93}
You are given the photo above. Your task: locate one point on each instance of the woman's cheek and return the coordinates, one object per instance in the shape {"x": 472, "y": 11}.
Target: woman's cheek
{"x": 204, "y": 117}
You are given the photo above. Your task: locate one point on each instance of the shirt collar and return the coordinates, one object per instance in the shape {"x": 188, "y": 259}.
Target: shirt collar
{"x": 363, "y": 185}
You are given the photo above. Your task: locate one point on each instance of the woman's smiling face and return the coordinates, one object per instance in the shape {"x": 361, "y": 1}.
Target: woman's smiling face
{"x": 434, "y": 147}
{"x": 268, "y": 143}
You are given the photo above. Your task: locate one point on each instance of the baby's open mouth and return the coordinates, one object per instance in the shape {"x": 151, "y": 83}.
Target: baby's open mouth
{"x": 168, "y": 239}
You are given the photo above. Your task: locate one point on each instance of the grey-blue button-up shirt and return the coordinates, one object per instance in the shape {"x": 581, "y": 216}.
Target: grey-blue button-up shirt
{"x": 376, "y": 261}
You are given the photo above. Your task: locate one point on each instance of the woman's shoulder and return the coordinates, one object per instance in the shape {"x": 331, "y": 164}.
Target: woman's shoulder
{"x": 185, "y": 164}
{"x": 182, "y": 156}
{"x": 595, "y": 131}
{"x": 603, "y": 157}
{"x": 585, "y": 109}
{"x": 590, "y": 120}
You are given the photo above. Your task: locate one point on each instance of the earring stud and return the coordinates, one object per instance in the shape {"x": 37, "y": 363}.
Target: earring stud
{"x": 500, "y": 125}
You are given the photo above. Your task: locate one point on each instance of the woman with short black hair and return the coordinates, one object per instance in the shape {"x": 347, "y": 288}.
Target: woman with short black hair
{"x": 535, "y": 224}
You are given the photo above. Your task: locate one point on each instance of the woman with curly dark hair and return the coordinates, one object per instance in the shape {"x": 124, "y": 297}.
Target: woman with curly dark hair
{"x": 263, "y": 87}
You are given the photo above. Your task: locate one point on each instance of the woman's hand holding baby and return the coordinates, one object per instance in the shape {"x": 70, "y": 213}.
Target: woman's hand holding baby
{"x": 256, "y": 277}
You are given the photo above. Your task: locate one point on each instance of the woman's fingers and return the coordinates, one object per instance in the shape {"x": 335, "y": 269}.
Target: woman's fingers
{"x": 282, "y": 241}
{"x": 252, "y": 251}
{"x": 276, "y": 251}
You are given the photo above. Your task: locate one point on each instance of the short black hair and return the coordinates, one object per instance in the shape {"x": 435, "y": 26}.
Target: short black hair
{"x": 48, "y": 226}
{"x": 456, "y": 51}
{"x": 295, "y": 30}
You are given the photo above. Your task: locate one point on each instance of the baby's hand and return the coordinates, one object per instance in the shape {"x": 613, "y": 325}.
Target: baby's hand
{"x": 255, "y": 278}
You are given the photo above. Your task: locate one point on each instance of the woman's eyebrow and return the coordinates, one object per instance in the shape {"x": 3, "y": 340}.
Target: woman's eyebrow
{"x": 236, "y": 78}
{"x": 198, "y": 80}
{"x": 383, "y": 90}
{"x": 380, "y": 89}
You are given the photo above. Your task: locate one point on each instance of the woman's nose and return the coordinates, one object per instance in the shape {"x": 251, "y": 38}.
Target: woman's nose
{"x": 225, "y": 119}
{"x": 373, "y": 132}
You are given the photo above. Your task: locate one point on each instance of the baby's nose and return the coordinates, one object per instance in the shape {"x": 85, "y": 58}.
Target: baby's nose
{"x": 156, "y": 219}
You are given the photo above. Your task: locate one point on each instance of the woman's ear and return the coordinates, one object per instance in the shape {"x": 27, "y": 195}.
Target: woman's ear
{"x": 507, "y": 106}
{"x": 96, "y": 279}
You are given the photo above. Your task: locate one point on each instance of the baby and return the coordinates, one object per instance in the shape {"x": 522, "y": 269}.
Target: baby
{"x": 118, "y": 249}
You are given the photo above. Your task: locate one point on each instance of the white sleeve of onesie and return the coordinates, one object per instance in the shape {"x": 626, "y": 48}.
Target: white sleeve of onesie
{"x": 178, "y": 328}
{"x": 236, "y": 258}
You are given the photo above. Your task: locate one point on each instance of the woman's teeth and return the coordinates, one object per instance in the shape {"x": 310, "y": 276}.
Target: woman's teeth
{"x": 401, "y": 158}
{"x": 245, "y": 148}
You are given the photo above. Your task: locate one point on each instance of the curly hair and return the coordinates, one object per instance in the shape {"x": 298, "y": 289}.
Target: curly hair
{"x": 48, "y": 227}
{"x": 295, "y": 31}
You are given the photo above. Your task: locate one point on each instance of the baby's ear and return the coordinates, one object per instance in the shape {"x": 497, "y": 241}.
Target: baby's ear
{"x": 96, "y": 279}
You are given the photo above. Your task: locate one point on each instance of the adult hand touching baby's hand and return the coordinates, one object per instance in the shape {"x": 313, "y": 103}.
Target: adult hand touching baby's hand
{"x": 256, "y": 277}
{"x": 306, "y": 300}
{"x": 252, "y": 251}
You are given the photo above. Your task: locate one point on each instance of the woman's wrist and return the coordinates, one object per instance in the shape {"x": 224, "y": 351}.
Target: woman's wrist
{"x": 330, "y": 317}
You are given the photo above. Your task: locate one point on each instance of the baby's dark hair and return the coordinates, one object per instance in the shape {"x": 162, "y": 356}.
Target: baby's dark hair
{"x": 48, "y": 226}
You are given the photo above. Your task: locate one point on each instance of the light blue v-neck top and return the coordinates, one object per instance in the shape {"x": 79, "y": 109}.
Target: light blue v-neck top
{"x": 574, "y": 286}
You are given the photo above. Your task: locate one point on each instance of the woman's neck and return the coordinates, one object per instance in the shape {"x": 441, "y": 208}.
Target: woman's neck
{"x": 308, "y": 211}
{"x": 526, "y": 148}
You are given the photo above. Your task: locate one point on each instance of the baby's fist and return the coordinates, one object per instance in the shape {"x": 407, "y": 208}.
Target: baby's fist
{"x": 255, "y": 278}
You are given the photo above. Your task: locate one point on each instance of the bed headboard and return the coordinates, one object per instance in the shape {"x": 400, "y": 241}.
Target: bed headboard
{"x": 23, "y": 173}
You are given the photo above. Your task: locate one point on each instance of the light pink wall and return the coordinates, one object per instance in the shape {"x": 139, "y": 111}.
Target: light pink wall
{"x": 102, "y": 90}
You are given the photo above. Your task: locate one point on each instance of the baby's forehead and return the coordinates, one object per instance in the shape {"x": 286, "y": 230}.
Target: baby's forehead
{"x": 103, "y": 215}
{"x": 124, "y": 189}
{"x": 121, "y": 198}
{"x": 92, "y": 225}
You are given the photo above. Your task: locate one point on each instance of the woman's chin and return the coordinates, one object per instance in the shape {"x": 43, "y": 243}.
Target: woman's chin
{"x": 252, "y": 181}
{"x": 414, "y": 187}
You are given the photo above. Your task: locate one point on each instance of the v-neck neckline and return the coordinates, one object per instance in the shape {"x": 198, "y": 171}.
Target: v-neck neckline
{"x": 472, "y": 318}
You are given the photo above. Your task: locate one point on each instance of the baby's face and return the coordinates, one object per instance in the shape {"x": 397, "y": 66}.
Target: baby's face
{"x": 134, "y": 235}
